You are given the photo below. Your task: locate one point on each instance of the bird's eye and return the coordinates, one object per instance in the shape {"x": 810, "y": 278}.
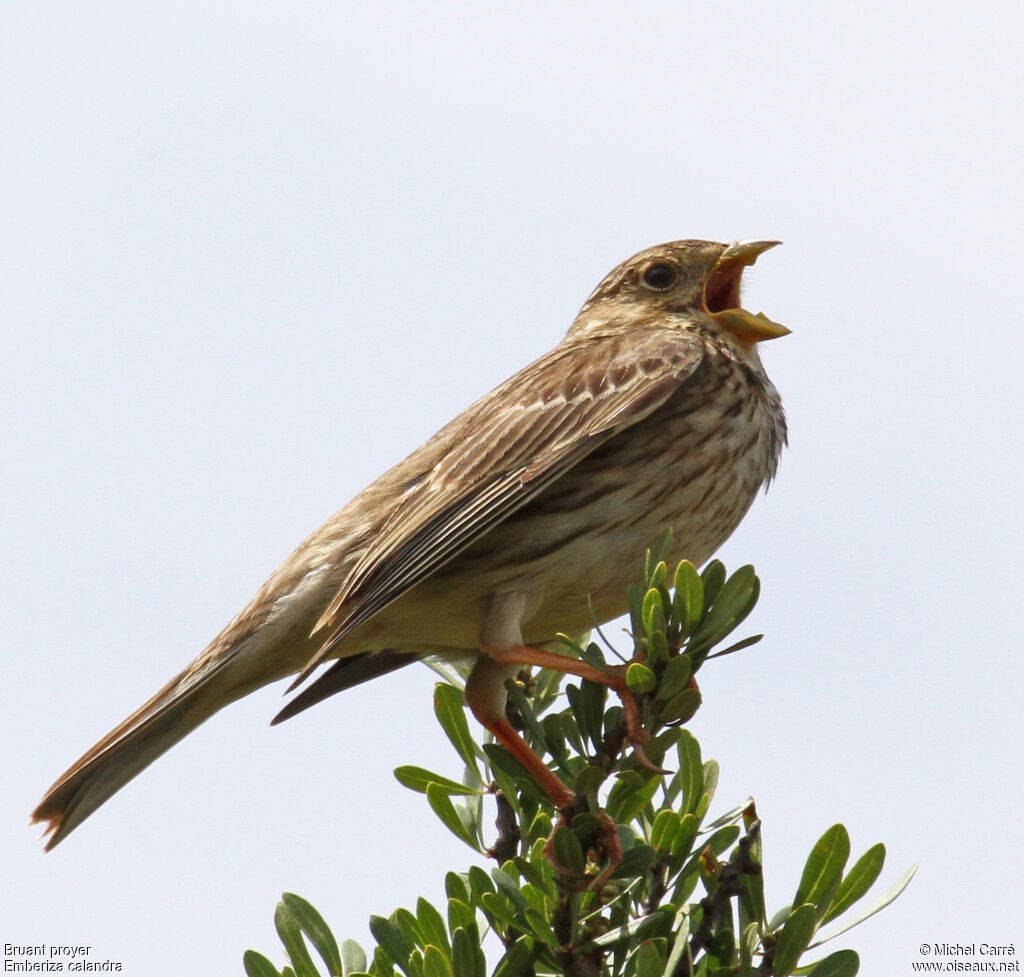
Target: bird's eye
{"x": 659, "y": 277}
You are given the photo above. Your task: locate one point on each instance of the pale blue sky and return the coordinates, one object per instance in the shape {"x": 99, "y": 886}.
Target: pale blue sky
{"x": 254, "y": 253}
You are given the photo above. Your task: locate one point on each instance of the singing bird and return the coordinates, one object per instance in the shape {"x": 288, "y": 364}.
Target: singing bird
{"x": 523, "y": 517}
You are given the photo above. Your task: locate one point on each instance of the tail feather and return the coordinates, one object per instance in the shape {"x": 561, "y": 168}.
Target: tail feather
{"x": 188, "y": 700}
{"x": 185, "y": 702}
{"x": 345, "y": 673}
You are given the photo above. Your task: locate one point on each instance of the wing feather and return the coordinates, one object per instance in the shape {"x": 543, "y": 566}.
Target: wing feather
{"x": 504, "y": 451}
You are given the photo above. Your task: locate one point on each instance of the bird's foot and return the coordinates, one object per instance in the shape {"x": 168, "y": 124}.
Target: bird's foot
{"x": 604, "y": 841}
{"x": 635, "y": 732}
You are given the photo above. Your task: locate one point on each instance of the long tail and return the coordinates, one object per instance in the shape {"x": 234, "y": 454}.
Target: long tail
{"x": 185, "y": 702}
{"x": 188, "y": 700}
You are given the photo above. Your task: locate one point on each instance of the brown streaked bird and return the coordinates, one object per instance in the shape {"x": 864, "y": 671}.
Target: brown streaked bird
{"x": 525, "y": 516}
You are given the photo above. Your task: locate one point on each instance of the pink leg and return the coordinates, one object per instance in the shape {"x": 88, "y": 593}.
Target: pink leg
{"x": 614, "y": 679}
{"x": 485, "y": 697}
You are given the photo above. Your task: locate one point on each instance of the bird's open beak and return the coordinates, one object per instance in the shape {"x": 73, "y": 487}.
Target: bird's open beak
{"x": 722, "y": 293}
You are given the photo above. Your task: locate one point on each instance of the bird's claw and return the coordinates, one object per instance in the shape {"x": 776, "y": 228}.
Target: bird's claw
{"x": 645, "y": 761}
{"x": 637, "y": 735}
{"x": 612, "y": 851}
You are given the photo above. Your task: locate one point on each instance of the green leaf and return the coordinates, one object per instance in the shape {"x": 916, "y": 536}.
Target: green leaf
{"x": 625, "y": 783}
{"x": 877, "y": 906}
{"x": 460, "y": 915}
{"x": 571, "y": 643}
{"x": 290, "y": 932}
{"x": 842, "y": 963}
{"x": 588, "y": 828}
{"x": 479, "y": 883}
{"x": 659, "y": 745}
{"x": 733, "y": 815}
{"x": 647, "y": 960}
{"x": 612, "y": 715}
{"x": 712, "y": 579}
{"x": 538, "y": 898}
{"x": 589, "y": 779}
{"x": 448, "y": 707}
{"x": 517, "y": 959}
{"x": 410, "y": 927}
{"x": 503, "y": 762}
{"x": 682, "y": 844}
{"x": 681, "y": 707}
{"x": 752, "y": 907}
{"x": 509, "y": 888}
{"x": 657, "y": 648}
{"x": 455, "y": 887}
{"x": 733, "y": 603}
{"x": 653, "y": 611}
{"x": 621, "y": 934}
{"x": 431, "y": 925}
{"x": 687, "y": 880}
{"x": 450, "y": 818}
{"x": 691, "y": 772}
{"x": 675, "y": 677}
{"x": 540, "y": 923}
{"x": 568, "y": 850}
{"x": 466, "y": 958}
{"x": 316, "y": 930}
{"x": 655, "y": 557}
{"x": 672, "y": 789}
{"x": 628, "y": 804}
{"x": 540, "y": 826}
{"x": 392, "y": 941}
{"x": 710, "y": 785}
{"x": 417, "y": 779}
{"x": 779, "y": 918}
{"x": 723, "y": 838}
{"x": 680, "y": 945}
{"x": 793, "y": 940}
{"x": 527, "y": 870}
{"x": 554, "y": 736}
{"x": 383, "y": 965}
{"x": 587, "y": 701}
{"x": 635, "y": 862}
{"x": 591, "y": 654}
{"x": 738, "y": 646}
{"x": 353, "y": 958}
{"x": 571, "y": 730}
{"x": 664, "y": 829}
{"x": 640, "y": 679}
{"x": 657, "y": 926}
{"x": 749, "y": 941}
{"x": 257, "y": 965}
{"x": 436, "y": 963}
{"x": 689, "y": 597}
{"x": 521, "y": 703}
{"x": 824, "y": 870}
{"x": 858, "y": 880}
{"x": 498, "y": 910}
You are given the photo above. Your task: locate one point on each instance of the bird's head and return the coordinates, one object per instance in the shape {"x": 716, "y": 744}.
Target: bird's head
{"x": 685, "y": 281}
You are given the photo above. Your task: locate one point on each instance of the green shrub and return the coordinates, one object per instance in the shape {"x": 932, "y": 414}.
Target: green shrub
{"x": 687, "y": 898}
